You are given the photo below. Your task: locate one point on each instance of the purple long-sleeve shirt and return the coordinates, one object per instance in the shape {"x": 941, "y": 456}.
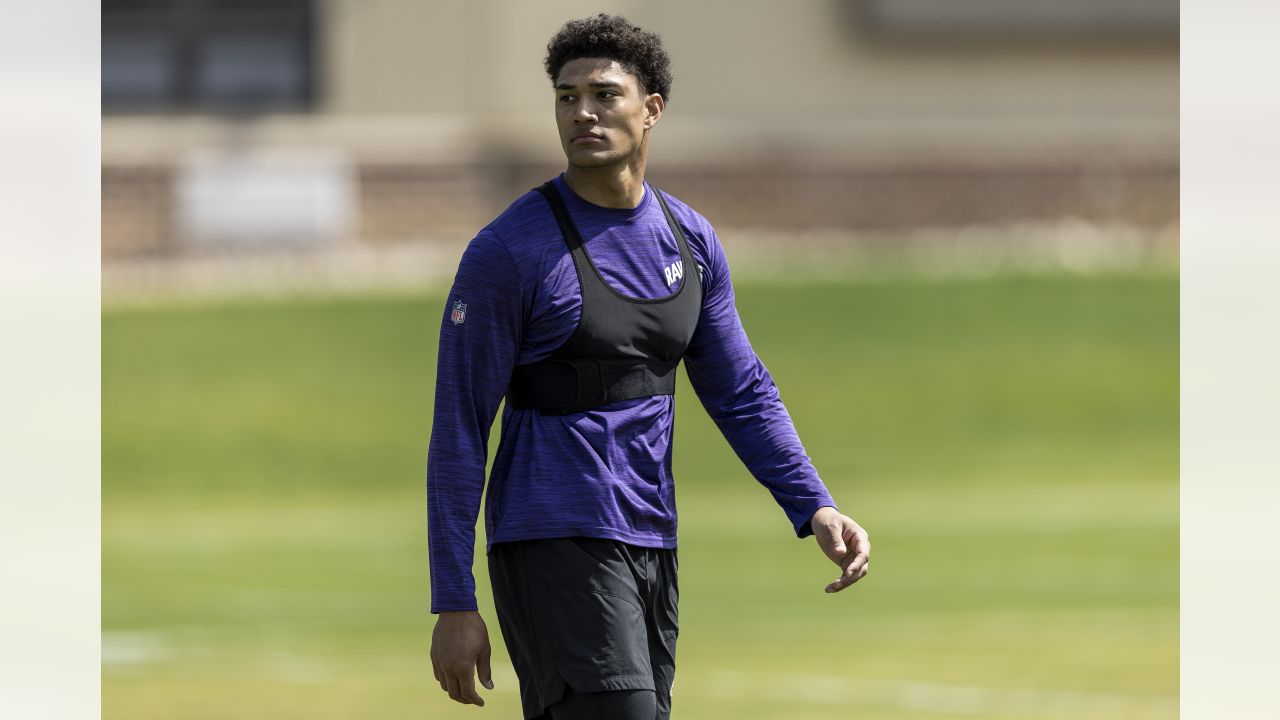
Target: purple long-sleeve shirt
{"x": 604, "y": 472}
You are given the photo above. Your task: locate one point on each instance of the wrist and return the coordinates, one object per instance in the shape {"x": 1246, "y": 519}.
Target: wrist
{"x": 456, "y": 614}
{"x": 821, "y": 514}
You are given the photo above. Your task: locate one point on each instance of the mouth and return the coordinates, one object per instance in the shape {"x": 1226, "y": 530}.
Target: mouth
{"x": 586, "y": 138}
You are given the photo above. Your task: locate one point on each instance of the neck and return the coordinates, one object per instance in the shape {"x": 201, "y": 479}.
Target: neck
{"x": 619, "y": 185}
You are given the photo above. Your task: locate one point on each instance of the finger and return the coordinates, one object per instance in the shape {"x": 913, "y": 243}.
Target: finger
{"x": 850, "y": 577}
{"x": 862, "y": 543}
{"x": 853, "y": 562}
{"x": 454, "y": 692}
{"x": 861, "y": 552}
{"x": 482, "y": 667}
{"x": 435, "y": 670}
{"x": 467, "y": 686}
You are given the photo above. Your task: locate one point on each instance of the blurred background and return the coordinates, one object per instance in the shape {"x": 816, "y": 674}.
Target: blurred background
{"x": 954, "y": 232}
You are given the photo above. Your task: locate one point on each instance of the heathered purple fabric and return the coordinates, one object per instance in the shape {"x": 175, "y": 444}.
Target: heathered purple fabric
{"x": 606, "y": 472}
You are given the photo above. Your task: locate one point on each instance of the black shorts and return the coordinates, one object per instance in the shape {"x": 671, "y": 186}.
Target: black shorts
{"x": 596, "y": 614}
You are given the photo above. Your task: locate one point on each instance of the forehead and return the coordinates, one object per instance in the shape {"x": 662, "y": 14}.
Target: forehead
{"x": 583, "y": 71}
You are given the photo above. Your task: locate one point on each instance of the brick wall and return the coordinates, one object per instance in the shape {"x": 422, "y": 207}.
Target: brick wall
{"x": 137, "y": 217}
{"x": 413, "y": 202}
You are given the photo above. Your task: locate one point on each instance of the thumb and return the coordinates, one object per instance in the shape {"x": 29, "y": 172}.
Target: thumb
{"x": 837, "y": 542}
{"x": 482, "y": 668}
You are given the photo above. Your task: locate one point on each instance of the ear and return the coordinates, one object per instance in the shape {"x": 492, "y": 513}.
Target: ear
{"x": 653, "y": 107}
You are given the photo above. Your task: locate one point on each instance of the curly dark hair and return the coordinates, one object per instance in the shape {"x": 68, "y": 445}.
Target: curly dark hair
{"x": 637, "y": 50}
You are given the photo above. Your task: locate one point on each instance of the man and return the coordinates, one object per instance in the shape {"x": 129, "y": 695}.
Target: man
{"x": 576, "y": 304}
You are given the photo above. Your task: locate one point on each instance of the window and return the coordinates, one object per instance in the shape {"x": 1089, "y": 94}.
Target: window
{"x": 1039, "y": 18}
{"x": 207, "y": 55}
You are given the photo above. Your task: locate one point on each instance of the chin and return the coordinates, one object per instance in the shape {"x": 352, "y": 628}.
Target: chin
{"x": 591, "y": 160}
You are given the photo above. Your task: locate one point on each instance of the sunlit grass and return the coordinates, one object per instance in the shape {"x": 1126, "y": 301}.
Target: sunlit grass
{"x": 1010, "y": 444}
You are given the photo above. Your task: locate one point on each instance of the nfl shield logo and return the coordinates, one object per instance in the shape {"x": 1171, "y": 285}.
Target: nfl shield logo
{"x": 459, "y": 312}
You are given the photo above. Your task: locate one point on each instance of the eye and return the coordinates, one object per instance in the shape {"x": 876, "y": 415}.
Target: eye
{"x": 566, "y": 98}
{"x": 608, "y": 94}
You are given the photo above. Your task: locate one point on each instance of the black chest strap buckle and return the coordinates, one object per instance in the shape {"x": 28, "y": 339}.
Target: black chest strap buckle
{"x": 557, "y": 386}
{"x": 564, "y": 386}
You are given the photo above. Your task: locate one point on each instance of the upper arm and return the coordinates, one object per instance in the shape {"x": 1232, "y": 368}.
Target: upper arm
{"x": 482, "y": 327}
{"x": 719, "y": 359}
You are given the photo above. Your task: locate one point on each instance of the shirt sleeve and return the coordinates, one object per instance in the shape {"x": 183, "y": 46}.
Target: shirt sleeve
{"x": 480, "y": 337}
{"x": 740, "y": 396}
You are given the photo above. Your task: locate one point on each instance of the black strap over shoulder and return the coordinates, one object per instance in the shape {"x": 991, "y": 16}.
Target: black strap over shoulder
{"x": 603, "y": 362}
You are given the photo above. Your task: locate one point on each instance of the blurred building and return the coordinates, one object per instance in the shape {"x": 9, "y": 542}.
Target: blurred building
{"x": 330, "y": 123}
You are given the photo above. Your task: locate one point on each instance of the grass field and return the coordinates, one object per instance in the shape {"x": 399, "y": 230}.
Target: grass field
{"x": 1010, "y": 443}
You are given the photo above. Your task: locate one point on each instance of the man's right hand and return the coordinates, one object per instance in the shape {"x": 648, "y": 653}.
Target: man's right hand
{"x": 460, "y": 648}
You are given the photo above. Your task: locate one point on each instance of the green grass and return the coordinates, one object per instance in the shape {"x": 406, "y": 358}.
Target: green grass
{"x": 1010, "y": 443}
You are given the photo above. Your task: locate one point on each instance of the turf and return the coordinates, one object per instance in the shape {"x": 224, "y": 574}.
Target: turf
{"x": 1010, "y": 443}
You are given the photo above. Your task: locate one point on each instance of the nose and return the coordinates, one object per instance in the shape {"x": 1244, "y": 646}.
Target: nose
{"x": 584, "y": 113}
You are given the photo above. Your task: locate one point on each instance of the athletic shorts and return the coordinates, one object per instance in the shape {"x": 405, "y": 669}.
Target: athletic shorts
{"x": 596, "y": 614}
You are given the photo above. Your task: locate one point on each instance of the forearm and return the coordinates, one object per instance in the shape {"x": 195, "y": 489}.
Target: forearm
{"x": 451, "y": 517}
{"x": 758, "y": 427}
{"x": 455, "y": 484}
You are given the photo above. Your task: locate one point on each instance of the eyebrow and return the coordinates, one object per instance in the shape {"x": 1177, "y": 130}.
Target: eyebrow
{"x": 567, "y": 86}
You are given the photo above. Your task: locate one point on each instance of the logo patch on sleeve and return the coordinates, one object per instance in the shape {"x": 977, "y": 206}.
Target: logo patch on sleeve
{"x": 459, "y": 313}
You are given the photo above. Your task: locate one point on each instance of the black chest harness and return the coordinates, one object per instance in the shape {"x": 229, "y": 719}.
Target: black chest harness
{"x": 623, "y": 347}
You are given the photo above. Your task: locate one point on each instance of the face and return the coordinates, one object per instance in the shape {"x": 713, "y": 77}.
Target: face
{"x": 602, "y": 112}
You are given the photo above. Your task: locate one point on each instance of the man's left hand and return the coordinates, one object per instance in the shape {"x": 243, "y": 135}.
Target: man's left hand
{"x": 845, "y": 542}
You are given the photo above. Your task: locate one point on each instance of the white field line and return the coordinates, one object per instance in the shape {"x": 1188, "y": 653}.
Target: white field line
{"x": 126, "y": 651}
{"x": 944, "y": 699}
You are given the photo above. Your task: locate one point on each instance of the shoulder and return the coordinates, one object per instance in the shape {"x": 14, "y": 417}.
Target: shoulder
{"x": 689, "y": 219}
{"x": 527, "y": 217}
{"x": 528, "y": 232}
{"x": 702, "y": 238}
